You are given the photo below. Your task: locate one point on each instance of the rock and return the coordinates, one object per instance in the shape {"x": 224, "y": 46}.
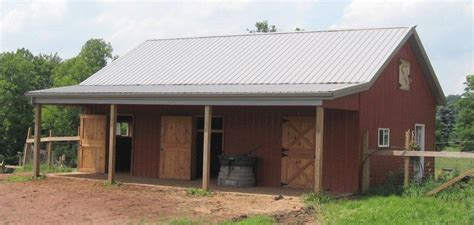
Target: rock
{"x": 278, "y": 197}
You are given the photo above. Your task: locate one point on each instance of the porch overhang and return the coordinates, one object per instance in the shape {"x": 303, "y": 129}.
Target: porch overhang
{"x": 168, "y": 100}
{"x": 264, "y": 95}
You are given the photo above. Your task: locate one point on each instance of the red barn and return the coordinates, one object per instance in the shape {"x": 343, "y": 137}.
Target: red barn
{"x": 299, "y": 102}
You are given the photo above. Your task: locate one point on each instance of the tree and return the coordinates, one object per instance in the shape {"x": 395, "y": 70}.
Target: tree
{"x": 20, "y": 71}
{"x": 64, "y": 120}
{"x": 263, "y": 27}
{"x": 465, "y": 121}
{"x": 446, "y": 121}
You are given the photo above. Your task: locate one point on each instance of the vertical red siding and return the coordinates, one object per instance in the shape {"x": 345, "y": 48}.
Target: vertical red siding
{"x": 385, "y": 106}
{"x": 341, "y": 152}
{"x": 246, "y": 127}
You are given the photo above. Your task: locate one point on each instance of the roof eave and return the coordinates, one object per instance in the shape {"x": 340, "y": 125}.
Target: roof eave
{"x": 183, "y": 99}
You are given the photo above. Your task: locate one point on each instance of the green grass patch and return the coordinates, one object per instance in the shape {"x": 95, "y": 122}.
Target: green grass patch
{"x": 393, "y": 204}
{"x": 183, "y": 221}
{"x": 18, "y": 178}
{"x": 114, "y": 184}
{"x": 198, "y": 192}
{"x": 254, "y": 220}
{"x": 45, "y": 169}
{"x": 458, "y": 165}
{"x": 313, "y": 199}
{"x": 396, "y": 210}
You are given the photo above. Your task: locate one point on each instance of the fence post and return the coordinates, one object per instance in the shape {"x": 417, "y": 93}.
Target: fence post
{"x": 27, "y": 147}
{"x": 406, "y": 174}
{"x": 366, "y": 162}
{"x": 50, "y": 150}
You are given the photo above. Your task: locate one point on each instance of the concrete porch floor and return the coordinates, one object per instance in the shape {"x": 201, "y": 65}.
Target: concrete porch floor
{"x": 180, "y": 184}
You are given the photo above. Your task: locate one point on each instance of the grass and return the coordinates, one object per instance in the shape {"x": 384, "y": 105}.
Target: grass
{"x": 392, "y": 204}
{"x": 395, "y": 210}
{"x": 114, "y": 184}
{"x": 198, "y": 192}
{"x": 458, "y": 165}
{"x": 254, "y": 220}
{"x": 18, "y": 178}
{"x": 45, "y": 169}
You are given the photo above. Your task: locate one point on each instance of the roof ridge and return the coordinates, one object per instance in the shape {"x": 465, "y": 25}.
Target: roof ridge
{"x": 281, "y": 33}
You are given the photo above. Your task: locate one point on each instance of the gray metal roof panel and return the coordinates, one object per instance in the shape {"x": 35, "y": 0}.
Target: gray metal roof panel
{"x": 342, "y": 56}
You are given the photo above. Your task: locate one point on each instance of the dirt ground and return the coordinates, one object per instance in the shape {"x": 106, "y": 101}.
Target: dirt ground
{"x": 72, "y": 201}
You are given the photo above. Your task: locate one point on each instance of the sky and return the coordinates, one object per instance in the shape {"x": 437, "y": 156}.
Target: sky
{"x": 446, "y": 28}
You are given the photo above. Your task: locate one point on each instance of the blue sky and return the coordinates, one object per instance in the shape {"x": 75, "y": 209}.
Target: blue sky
{"x": 445, "y": 27}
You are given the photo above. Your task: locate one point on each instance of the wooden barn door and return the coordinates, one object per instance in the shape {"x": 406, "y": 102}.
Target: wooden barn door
{"x": 176, "y": 147}
{"x": 298, "y": 143}
{"x": 92, "y": 143}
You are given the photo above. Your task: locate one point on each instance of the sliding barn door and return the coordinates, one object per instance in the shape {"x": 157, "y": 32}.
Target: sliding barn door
{"x": 92, "y": 143}
{"x": 298, "y": 143}
{"x": 176, "y": 147}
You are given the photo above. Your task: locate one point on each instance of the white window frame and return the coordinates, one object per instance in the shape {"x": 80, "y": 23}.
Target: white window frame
{"x": 383, "y": 145}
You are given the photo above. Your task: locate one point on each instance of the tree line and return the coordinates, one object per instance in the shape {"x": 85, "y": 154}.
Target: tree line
{"x": 22, "y": 71}
{"x": 455, "y": 120}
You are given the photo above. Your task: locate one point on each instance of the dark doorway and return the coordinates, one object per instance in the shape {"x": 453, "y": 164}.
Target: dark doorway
{"x": 124, "y": 138}
{"x": 217, "y": 141}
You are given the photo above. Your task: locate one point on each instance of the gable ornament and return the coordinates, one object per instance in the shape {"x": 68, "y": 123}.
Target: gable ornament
{"x": 404, "y": 75}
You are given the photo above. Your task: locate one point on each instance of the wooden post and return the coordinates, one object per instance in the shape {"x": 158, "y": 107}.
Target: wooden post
{"x": 37, "y": 141}
{"x": 366, "y": 161}
{"x": 206, "y": 159}
{"x": 406, "y": 173}
{"x": 79, "y": 152}
{"x": 112, "y": 130}
{"x": 50, "y": 150}
{"x": 27, "y": 147}
{"x": 318, "y": 156}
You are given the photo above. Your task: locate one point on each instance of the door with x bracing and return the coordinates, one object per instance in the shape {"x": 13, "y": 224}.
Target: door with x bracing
{"x": 297, "y": 158}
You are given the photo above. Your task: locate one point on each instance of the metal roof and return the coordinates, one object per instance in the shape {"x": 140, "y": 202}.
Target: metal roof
{"x": 322, "y": 64}
{"x": 343, "y": 56}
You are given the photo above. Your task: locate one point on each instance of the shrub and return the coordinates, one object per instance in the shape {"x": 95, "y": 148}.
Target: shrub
{"x": 314, "y": 199}
{"x": 44, "y": 168}
{"x": 391, "y": 186}
{"x": 16, "y": 178}
{"x": 198, "y": 192}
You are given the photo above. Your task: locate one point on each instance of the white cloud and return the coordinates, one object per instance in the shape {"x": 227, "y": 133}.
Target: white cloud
{"x": 31, "y": 12}
{"x": 133, "y": 23}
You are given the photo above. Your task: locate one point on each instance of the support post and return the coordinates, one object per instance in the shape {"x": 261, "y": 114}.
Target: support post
{"x": 366, "y": 162}
{"x": 406, "y": 173}
{"x": 206, "y": 159}
{"x": 79, "y": 152}
{"x": 319, "y": 150}
{"x": 37, "y": 141}
{"x": 27, "y": 147}
{"x": 50, "y": 150}
{"x": 112, "y": 143}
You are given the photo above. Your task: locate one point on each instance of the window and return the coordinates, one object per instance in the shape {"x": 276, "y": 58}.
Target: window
{"x": 123, "y": 129}
{"x": 384, "y": 137}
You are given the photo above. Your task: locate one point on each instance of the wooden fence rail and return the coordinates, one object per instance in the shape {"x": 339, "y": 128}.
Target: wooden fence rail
{"x": 49, "y": 140}
{"x": 463, "y": 155}
{"x": 406, "y": 153}
{"x": 55, "y": 139}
